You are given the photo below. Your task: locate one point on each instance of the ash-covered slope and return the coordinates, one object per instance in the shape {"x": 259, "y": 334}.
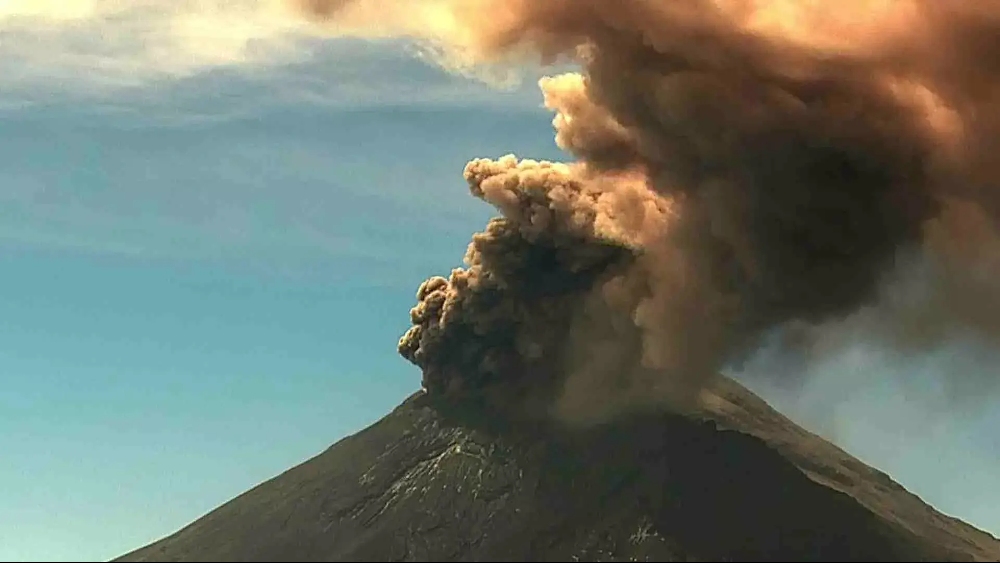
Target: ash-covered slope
{"x": 741, "y": 483}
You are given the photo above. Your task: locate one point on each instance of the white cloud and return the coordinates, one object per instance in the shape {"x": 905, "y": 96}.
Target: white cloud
{"x": 154, "y": 55}
{"x": 49, "y": 10}
{"x": 106, "y": 44}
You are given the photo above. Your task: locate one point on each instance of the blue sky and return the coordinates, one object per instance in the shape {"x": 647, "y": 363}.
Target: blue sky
{"x": 206, "y": 270}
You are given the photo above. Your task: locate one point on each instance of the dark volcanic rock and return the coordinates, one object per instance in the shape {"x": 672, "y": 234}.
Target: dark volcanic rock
{"x": 740, "y": 483}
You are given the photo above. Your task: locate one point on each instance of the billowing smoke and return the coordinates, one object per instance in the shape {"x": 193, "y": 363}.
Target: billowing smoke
{"x": 741, "y": 167}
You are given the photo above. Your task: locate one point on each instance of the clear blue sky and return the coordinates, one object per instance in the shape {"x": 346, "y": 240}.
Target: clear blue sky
{"x": 204, "y": 276}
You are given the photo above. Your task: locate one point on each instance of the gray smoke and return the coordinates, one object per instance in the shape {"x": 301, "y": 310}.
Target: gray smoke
{"x": 741, "y": 167}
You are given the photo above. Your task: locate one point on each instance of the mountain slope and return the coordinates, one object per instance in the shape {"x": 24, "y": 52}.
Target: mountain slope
{"x": 740, "y": 483}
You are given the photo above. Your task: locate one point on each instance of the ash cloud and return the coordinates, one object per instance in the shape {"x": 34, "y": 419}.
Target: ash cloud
{"x": 741, "y": 167}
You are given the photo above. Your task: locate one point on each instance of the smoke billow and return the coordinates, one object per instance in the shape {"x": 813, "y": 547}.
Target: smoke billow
{"x": 741, "y": 167}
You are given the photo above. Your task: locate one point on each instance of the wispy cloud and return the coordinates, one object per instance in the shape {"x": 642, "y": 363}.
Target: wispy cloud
{"x": 294, "y": 188}
{"x": 108, "y": 43}
{"x": 174, "y": 60}
{"x": 191, "y": 195}
{"x": 125, "y": 121}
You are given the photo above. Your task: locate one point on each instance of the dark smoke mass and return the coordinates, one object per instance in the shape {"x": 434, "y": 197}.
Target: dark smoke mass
{"x": 740, "y": 166}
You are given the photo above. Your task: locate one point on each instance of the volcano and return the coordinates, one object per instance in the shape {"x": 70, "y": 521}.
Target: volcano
{"x": 736, "y": 171}
{"x": 734, "y": 481}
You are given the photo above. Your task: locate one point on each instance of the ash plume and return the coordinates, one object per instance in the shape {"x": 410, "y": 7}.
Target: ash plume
{"x": 741, "y": 166}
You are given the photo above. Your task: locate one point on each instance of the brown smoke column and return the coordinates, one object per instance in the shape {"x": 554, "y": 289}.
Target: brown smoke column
{"x": 741, "y": 165}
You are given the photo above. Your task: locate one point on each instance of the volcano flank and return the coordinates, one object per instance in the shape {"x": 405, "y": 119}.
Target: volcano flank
{"x": 737, "y": 482}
